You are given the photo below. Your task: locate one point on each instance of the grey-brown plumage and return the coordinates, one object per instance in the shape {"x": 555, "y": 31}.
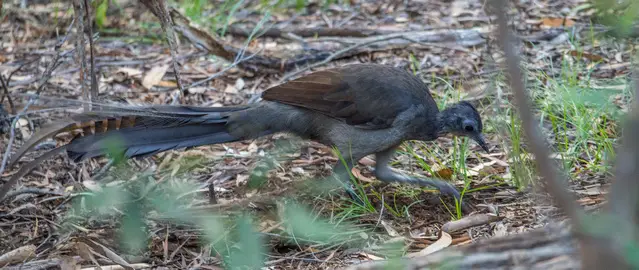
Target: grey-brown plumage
{"x": 361, "y": 109}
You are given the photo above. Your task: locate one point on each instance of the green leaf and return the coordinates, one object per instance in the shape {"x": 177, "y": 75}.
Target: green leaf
{"x": 248, "y": 252}
{"x": 105, "y": 200}
{"x": 115, "y": 149}
{"x": 133, "y": 232}
{"x": 299, "y": 5}
{"x": 194, "y": 10}
{"x": 306, "y": 227}
{"x": 100, "y": 13}
{"x": 213, "y": 228}
{"x": 167, "y": 201}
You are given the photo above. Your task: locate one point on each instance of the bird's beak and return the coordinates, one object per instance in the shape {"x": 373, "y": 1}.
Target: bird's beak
{"x": 479, "y": 138}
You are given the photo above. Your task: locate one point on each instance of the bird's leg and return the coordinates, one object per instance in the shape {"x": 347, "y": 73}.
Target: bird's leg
{"x": 384, "y": 173}
{"x": 341, "y": 172}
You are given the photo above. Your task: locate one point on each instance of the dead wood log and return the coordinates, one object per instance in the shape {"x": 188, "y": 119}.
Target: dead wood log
{"x": 551, "y": 247}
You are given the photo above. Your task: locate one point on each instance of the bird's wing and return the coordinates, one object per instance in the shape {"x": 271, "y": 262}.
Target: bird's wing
{"x": 366, "y": 96}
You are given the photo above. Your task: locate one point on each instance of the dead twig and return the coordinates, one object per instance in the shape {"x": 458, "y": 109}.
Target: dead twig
{"x": 224, "y": 70}
{"x": 552, "y": 247}
{"x": 7, "y": 83}
{"x": 4, "y": 189}
{"x": 159, "y": 9}
{"x": 336, "y": 54}
{"x": 37, "y": 191}
{"x": 423, "y": 38}
{"x": 206, "y": 41}
{"x": 81, "y": 54}
{"x": 12, "y": 137}
{"x": 239, "y": 30}
{"x": 5, "y": 87}
{"x": 89, "y": 28}
{"x": 468, "y": 222}
{"x": 239, "y": 58}
{"x": 265, "y": 198}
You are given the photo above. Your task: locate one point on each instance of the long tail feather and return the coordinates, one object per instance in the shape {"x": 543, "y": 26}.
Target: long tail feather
{"x": 138, "y": 131}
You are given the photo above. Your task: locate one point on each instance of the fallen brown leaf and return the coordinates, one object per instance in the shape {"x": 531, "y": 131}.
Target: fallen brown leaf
{"x": 460, "y": 240}
{"x": 469, "y": 221}
{"x": 17, "y": 255}
{"x": 557, "y": 22}
{"x": 367, "y": 161}
{"x": 390, "y": 230}
{"x": 589, "y": 56}
{"x": 358, "y": 174}
{"x": 445, "y": 173}
{"x": 154, "y": 76}
{"x": 111, "y": 254}
{"x": 444, "y": 241}
{"x": 167, "y": 84}
{"x": 370, "y": 256}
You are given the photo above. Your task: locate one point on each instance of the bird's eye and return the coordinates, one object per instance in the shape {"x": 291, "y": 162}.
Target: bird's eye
{"x": 469, "y": 128}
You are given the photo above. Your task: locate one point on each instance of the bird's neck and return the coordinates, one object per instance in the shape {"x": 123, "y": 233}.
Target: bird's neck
{"x": 430, "y": 129}
{"x": 440, "y": 130}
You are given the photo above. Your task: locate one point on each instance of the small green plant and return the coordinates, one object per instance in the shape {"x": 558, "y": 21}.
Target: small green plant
{"x": 361, "y": 193}
{"x": 100, "y": 13}
{"x": 194, "y": 9}
{"x": 521, "y": 165}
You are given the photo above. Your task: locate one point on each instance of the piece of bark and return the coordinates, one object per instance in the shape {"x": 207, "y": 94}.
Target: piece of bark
{"x": 551, "y": 247}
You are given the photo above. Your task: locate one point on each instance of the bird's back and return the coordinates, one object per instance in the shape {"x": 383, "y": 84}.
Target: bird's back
{"x": 388, "y": 90}
{"x": 381, "y": 83}
{"x": 368, "y": 96}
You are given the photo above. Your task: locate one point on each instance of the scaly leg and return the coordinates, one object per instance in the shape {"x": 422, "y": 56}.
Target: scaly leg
{"x": 341, "y": 172}
{"x": 384, "y": 173}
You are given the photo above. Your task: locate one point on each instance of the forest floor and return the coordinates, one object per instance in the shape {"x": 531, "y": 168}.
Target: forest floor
{"x": 576, "y": 76}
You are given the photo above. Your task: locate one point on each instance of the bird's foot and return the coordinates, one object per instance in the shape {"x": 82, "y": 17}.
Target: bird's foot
{"x": 448, "y": 189}
{"x": 351, "y": 193}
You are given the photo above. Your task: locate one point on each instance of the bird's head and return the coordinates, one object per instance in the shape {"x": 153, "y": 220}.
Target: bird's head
{"x": 462, "y": 119}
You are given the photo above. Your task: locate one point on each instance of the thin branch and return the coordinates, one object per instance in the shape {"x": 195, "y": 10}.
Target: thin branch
{"x": 45, "y": 78}
{"x": 160, "y": 9}
{"x": 555, "y": 183}
{"x": 5, "y": 87}
{"x": 36, "y": 191}
{"x": 623, "y": 195}
{"x": 217, "y": 74}
{"x": 89, "y": 28}
{"x": 239, "y": 58}
{"x": 81, "y": 53}
{"x": 12, "y": 136}
{"x": 340, "y": 52}
{"x": 170, "y": 36}
{"x": 7, "y": 82}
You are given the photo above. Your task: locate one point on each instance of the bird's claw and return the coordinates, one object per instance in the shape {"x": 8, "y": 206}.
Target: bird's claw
{"x": 351, "y": 193}
{"x": 448, "y": 189}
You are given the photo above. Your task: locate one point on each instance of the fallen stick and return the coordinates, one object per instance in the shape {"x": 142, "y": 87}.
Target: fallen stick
{"x": 551, "y": 247}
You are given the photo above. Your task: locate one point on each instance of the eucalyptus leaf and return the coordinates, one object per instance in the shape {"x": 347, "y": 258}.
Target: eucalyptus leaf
{"x": 249, "y": 251}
